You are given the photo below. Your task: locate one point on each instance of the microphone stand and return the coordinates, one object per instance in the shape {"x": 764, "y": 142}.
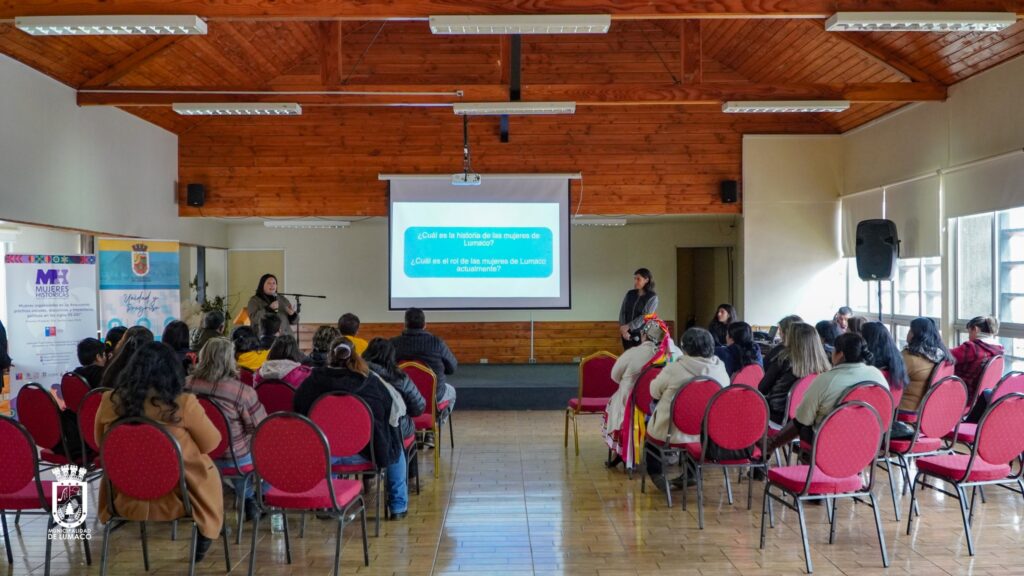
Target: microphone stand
{"x": 298, "y": 309}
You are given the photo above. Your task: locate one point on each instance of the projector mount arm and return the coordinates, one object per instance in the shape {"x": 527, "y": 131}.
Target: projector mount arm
{"x": 466, "y": 169}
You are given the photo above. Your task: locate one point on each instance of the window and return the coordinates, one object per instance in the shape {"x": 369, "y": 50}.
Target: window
{"x": 908, "y": 295}
{"x": 856, "y": 289}
{"x": 974, "y": 265}
{"x": 1011, "y": 265}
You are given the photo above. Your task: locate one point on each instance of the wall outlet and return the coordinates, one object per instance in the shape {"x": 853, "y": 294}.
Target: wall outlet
{"x": 483, "y": 360}
{"x": 533, "y": 360}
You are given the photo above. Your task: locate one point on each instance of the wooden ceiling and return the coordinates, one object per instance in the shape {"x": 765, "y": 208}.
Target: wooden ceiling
{"x": 647, "y": 135}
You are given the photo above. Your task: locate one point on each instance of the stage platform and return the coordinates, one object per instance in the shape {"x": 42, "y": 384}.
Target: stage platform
{"x": 514, "y": 386}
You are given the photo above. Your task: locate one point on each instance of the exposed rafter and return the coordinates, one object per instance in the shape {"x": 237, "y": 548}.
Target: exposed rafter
{"x": 330, "y": 53}
{"x": 884, "y": 56}
{"x": 123, "y": 67}
{"x": 691, "y": 47}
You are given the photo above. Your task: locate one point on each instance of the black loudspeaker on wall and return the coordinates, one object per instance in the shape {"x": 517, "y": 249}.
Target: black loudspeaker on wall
{"x": 196, "y": 194}
{"x": 878, "y": 246}
{"x": 730, "y": 191}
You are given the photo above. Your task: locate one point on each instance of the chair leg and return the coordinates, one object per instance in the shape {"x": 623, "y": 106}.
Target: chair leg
{"x": 337, "y": 546}
{"x": 962, "y": 497}
{"x": 576, "y": 434}
{"x": 366, "y": 540}
{"x": 750, "y": 488}
{"x": 302, "y": 524}
{"x": 728, "y": 485}
{"x": 831, "y": 503}
{"x": 803, "y": 535}
{"x": 49, "y": 544}
{"x": 566, "y": 437}
{"x": 252, "y": 546}
{"x": 17, "y": 518}
{"x": 239, "y": 505}
{"x": 227, "y": 553}
{"x": 7, "y": 538}
{"x": 910, "y": 507}
{"x": 771, "y": 513}
{"x": 192, "y": 550}
{"x": 974, "y": 493}
{"x": 878, "y": 528}
{"x": 892, "y": 488}
{"x": 451, "y": 430}
{"x": 981, "y": 492}
{"x": 437, "y": 452}
{"x": 376, "y": 529}
{"x": 700, "y": 497}
{"x": 686, "y": 476}
{"x": 764, "y": 513}
{"x": 145, "y": 545}
{"x": 287, "y": 540}
{"x": 174, "y": 530}
{"x": 106, "y": 548}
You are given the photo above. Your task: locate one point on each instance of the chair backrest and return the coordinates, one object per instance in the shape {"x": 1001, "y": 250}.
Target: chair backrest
{"x": 690, "y": 404}
{"x": 220, "y": 421}
{"x": 942, "y": 407}
{"x": 276, "y": 396}
{"x": 896, "y": 393}
{"x": 796, "y": 395}
{"x": 941, "y": 370}
{"x": 73, "y": 388}
{"x": 346, "y": 422}
{"x": 749, "y": 375}
{"x": 875, "y": 395}
{"x": 847, "y": 440}
{"x": 290, "y": 453}
{"x": 991, "y": 374}
{"x": 87, "y": 411}
{"x": 18, "y": 454}
{"x": 143, "y": 461}
{"x": 642, "y": 389}
{"x": 596, "y": 375}
{"x": 425, "y": 381}
{"x": 1000, "y": 436}
{"x": 39, "y": 413}
{"x": 246, "y": 376}
{"x": 1011, "y": 383}
{"x": 736, "y": 418}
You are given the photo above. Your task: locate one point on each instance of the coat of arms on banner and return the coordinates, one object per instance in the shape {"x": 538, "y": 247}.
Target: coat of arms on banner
{"x": 140, "y": 259}
{"x": 69, "y": 500}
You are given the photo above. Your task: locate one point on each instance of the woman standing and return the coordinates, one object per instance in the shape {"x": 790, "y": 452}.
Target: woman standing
{"x": 638, "y": 302}
{"x": 266, "y": 300}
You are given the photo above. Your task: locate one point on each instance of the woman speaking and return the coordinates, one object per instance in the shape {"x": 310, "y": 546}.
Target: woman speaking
{"x": 268, "y": 301}
{"x": 639, "y": 302}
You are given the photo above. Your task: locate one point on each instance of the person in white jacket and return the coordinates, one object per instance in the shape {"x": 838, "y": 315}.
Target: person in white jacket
{"x": 625, "y": 372}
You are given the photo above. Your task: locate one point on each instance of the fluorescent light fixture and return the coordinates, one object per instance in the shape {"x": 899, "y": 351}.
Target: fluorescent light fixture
{"x": 110, "y": 25}
{"x": 238, "y": 109}
{"x": 311, "y": 223}
{"x": 522, "y": 24}
{"x": 770, "y": 106}
{"x": 503, "y": 108}
{"x": 920, "y": 21}
{"x": 599, "y": 221}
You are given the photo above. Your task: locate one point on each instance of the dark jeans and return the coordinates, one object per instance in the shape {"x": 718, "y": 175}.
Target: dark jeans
{"x": 980, "y": 406}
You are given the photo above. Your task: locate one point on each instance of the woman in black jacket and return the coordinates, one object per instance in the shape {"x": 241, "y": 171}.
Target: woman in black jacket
{"x": 347, "y": 372}
{"x": 380, "y": 355}
{"x": 802, "y": 356}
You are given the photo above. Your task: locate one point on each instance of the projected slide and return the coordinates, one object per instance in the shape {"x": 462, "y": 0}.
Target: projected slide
{"x": 503, "y": 244}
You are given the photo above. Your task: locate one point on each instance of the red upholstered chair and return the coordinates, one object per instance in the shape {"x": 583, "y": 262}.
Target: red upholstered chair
{"x": 880, "y": 398}
{"x": 939, "y": 372}
{"x": 347, "y": 423}
{"x": 749, "y": 375}
{"x": 88, "y": 408}
{"x": 143, "y": 461}
{"x": 246, "y": 376}
{"x": 1000, "y": 440}
{"x": 73, "y": 388}
{"x": 595, "y": 388}
{"x": 793, "y": 400}
{"x": 991, "y": 373}
{"x": 39, "y": 413}
{"x": 845, "y": 444}
{"x": 21, "y": 488}
{"x": 291, "y": 454}
{"x": 276, "y": 396}
{"x": 687, "y": 412}
{"x": 226, "y": 451}
{"x": 1011, "y": 383}
{"x": 642, "y": 398}
{"x": 426, "y": 382}
{"x": 736, "y": 418}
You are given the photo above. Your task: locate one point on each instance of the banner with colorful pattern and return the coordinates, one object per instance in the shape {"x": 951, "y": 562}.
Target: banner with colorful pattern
{"x": 138, "y": 283}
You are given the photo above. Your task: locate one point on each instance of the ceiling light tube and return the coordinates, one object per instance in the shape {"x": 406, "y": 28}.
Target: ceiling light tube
{"x": 238, "y": 109}
{"x": 774, "y": 106}
{"x": 307, "y": 224}
{"x": 503, "y": 108}
{"x": 920, "y": 21}
{"x": 522, "y": 24}
{"x": 110, "y": 25}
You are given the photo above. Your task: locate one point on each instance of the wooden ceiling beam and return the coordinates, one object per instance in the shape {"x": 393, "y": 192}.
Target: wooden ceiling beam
{"x": 383, "y": 95}
{"x": 121, "y": 68}
{"x": 362, "y": 10}
{"x": 330, "y": 53}
{"x": 884, "y": 56}
{"x": 691, "y": 47}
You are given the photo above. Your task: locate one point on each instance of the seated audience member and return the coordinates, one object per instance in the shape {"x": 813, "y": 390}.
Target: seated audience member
{"x": 248, "y": 354}
{"x": 885, "y": 354}
{"x": 283, "y": 363}
{"x": 740, "y": 350}
{"x": 347, "y": 372}
{"x": 923, "y": 351}
{"x": 625, "y": 371}
{"x": 216, "y": 375}
{"x": 855, "y": 324}
{"x": 152, "y": 385}
{"x": 176, "y": 336}
{"x": 270, "y": 328}
{"x": 851, "y": 362}
{"x": 418, "y": 345}
{"x": 348, "y": 325}
{"x": 133, "y": 339}
{"x": 112, "y": 339}
{"x": 212, "y": 327}
{"x": 321, "y": 346}
{"x": 381, "y": 358}
{"x": 777, "y": 349}
{"x": 92, "y": 357}
{"x": 828, "y": 331}
{"x": 802, "y": 356}
{"x": 971, "y": 357}
{"x": 698, "y": 361}
{"x": 5, "y": 359}
{"x": 724, "y": 315}
{"x": 842, "y": 318}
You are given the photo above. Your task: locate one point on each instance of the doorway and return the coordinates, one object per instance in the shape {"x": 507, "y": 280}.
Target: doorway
{"x": 704, "y": 279}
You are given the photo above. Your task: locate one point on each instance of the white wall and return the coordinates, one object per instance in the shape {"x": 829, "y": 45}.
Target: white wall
{"x": 790, "y": 227}
{"x": 350, "y": 267}
{"x": 97, "y": 169}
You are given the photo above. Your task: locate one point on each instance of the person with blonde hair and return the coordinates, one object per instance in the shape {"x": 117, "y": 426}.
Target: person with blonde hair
{"x": 216, "y": 376}
{"x": 803, "y": 355}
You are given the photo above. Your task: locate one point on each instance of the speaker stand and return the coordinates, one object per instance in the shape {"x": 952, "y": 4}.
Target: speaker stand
{"x": 879, "y": 301}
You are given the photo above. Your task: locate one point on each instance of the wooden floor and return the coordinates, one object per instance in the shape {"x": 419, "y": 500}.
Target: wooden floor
{"x": 513, "y": 501}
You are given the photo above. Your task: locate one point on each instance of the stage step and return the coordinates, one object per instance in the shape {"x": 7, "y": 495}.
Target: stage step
{"x": 515, "y": 386}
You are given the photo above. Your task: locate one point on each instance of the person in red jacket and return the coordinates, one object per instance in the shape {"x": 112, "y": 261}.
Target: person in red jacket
{"x": 971, "y": 355}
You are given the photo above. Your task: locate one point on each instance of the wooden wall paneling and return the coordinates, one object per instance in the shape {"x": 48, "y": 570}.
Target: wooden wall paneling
{"x": 71, "y": 60}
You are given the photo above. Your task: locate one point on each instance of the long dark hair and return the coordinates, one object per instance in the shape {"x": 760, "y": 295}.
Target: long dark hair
{"x": 154, "y": 370}
{"x": 828, "y": 331}
{"x": 743, "y": 338}
{"x": 285, "y": 347}
{"x": 245, "y": 340}
{"x": 381, "y": 352}
{"x": 854, "y": 349}
{"x": 134, "y": 338}
{"x": 176, "y": 335}
{"x": 259, "y": 287}
{"x": 730, "y": 310}
{"x": 646, "y": 275}
{"x": 926, "y": 341}
{"x": 886, "y": 355}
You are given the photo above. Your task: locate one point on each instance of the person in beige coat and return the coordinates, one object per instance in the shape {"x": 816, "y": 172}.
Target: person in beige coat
{"x": 924, "y": 350}
{"x": 151, "y": 386}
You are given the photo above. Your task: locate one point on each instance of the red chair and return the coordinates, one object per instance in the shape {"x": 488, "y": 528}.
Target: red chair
{"x": 1012, "y": 383}
{"x": 793, "y": 400}
{"x": 73, "y": 388}
{"x": 21, "y": 489}
{"x": 422, "y": 379}
{"x": 687, "y": 410}
{"x": 426, "y": 382}
{"x": 1000, "y": 439}
{"x": 941, "y": 371}
{"x": 226, "y": 451}
{"x": 276, "y": 396}
{"x": 88, "y": 408}
{"x": 246, "y": 376}
{"x": 291, "y": 454}
{"x": 880, "y": 398}
{"x": 736, "y": 418}
{"x": 845, "y": 443}
{"x": 40, "y": 414}
{"x": 642, "y": 398}
{"x": 347, "y": 423}
{"x": 749, "y": 375}
{"x": 143, "y": 461}
{"x": 595, "y": 388}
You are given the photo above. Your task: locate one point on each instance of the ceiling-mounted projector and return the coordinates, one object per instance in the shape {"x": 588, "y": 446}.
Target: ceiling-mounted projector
{"x": 466, "y": 179}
